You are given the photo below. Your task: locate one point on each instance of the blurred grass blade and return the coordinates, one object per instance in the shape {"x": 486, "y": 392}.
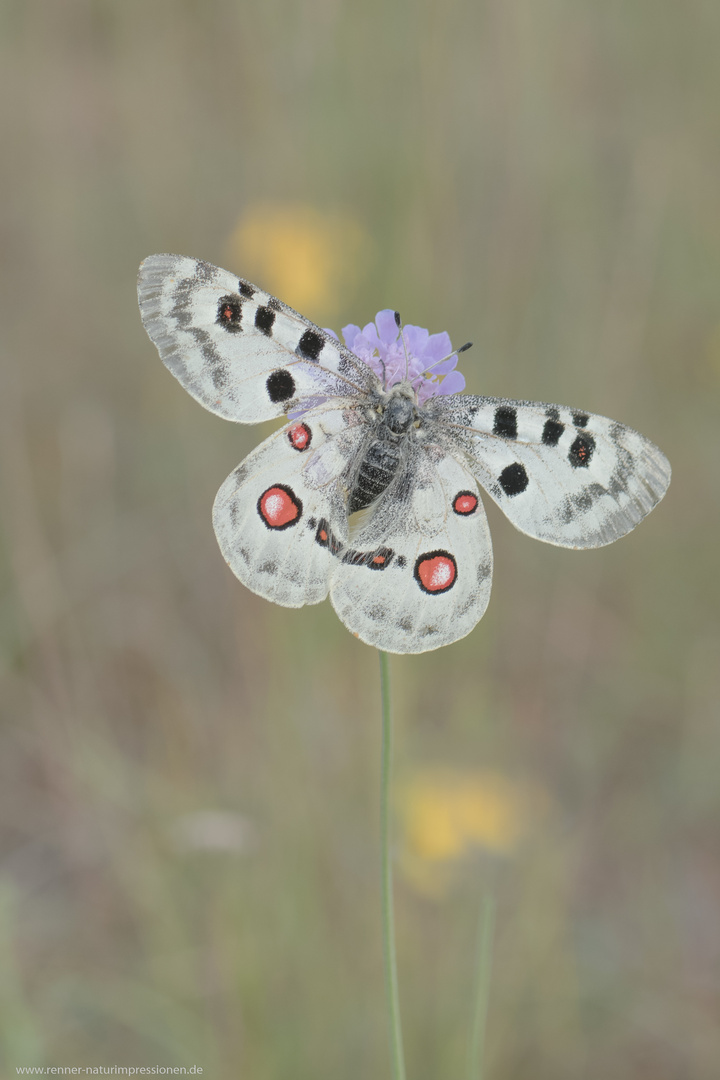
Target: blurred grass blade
{"x": 388, "y": 918}
{"x": 486, "y": 931}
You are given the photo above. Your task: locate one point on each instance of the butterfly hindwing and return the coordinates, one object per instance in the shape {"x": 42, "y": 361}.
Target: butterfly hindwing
{"x": 282, "y": 513}
{"x": 564, "y": 476}
{"x": 418, "y": 574}
{"x": 240, "y": 352}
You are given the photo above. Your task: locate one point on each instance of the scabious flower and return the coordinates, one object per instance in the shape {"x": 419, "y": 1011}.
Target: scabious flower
{"x": 428, "y": 366}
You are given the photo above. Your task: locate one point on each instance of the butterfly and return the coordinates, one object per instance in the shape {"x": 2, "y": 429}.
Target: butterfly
{"x": 370, "y": 492}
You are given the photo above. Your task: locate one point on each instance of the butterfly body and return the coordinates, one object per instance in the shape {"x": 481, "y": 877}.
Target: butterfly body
{"x": 414, "y": 569}
{"x": 385, "y": 453}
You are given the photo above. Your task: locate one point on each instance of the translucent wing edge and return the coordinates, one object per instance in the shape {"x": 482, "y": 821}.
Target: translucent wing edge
{"x": 155, "y": 274}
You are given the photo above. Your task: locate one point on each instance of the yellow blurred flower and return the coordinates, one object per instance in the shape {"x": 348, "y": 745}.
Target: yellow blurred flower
{"x": 446, "y": 814}
{"x": 306, "y": 257}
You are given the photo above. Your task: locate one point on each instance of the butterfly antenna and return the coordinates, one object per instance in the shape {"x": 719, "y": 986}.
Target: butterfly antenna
{"x": 455, "y": 352}
{"x": 398, "y": 323}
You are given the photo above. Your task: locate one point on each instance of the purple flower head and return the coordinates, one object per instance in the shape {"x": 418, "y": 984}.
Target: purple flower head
{"x": 380, "y": 345}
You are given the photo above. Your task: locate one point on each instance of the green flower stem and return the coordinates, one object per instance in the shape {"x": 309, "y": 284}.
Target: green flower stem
{"x": 388, "y": 918}
{"x": 486, "y": 929}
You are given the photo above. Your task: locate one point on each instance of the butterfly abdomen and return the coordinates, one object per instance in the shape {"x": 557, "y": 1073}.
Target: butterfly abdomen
{"x": 378, "y": 467}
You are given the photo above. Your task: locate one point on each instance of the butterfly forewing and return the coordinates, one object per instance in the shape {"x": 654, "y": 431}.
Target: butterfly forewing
{"x": 561, "y": 475}
{"x": 240, "y": 352}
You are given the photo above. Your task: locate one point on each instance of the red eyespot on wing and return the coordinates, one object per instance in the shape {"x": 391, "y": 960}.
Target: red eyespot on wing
{"x": 279, "y": 507}
{"x": 464, "y": 502}
{"x": 436, "y": 571}
{"x": 379, "y": 560}
{"x": 300, "y": 436}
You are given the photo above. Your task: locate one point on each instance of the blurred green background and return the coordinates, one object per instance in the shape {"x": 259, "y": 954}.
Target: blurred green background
{"x": 189, "y": 775}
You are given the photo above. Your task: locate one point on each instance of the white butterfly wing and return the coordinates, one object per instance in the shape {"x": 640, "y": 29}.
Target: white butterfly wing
{"x": 560, "y": 475}
{"x": 281, "y": 516}
{"x": 240, "y": 352}
{"x": 418, "y": 574}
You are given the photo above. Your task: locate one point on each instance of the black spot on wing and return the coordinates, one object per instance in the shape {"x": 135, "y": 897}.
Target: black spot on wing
{"x": 264, "y": 319}
{"x": 379, "y": 559}
{"x": 552, "y": 432}
{"x": 229, "y": 314}
{"x": 580, "y": 419}
{"x": 513, "y": 479}
{"x": 310, "y": 345}
{"x": 274, "y": 304}
{"x": 246, "y": 289}
{"x": 505, "y": 422}
{"x": 581, "y": 452}
{"x": 325, "y": 538}
{"x": 280, "y": 385}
